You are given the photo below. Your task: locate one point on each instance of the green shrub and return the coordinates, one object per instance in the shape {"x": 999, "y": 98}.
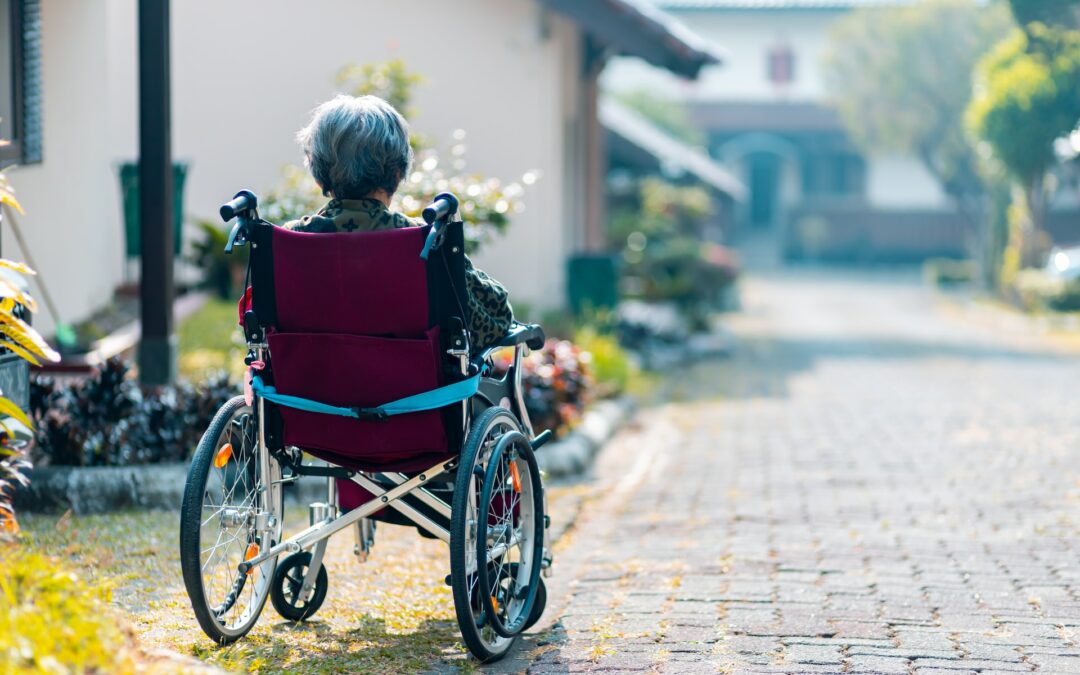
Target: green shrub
{"x": 611, "y": 368}
{"x": 945, "y": 272}
{"x": 223, "y": 273}
{"x": 1036, "y": 291}
{"x": 54, "y": 622}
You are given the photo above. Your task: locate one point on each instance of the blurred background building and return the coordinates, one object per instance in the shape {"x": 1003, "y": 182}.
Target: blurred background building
{"x": 520, "y": 77}
{"x": 765, "y": 117}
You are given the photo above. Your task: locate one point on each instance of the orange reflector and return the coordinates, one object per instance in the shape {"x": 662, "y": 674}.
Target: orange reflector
{"x": 495, "y": 604}
{"x": 252, "y": 552}
{"x": 515, "y": 476}
{"x": 223, "y": 456}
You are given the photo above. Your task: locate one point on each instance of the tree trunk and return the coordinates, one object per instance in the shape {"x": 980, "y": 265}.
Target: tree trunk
{"x": 1034, "y": 234}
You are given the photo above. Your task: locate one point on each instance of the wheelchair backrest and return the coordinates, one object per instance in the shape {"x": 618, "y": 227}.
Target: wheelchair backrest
{"x": 357, "y": 320}
{"x": 358, "y": 283}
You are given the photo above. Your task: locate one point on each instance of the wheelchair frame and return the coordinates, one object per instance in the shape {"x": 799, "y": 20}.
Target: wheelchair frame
{"x": 388, "y": 489}
{"x": 317, "y": 535}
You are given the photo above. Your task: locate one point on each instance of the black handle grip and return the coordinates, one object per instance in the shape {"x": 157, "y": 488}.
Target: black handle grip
{"x": 245, "y": 200}
{"x": 444, "y": 205}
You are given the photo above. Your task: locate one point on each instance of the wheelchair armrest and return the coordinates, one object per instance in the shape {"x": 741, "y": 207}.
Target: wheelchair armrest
{"x": 529, "y": 333}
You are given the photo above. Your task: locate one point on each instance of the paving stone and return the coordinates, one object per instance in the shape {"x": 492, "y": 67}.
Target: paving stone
{"x": 867, "y": 483}
{"x": 876, "y": 664}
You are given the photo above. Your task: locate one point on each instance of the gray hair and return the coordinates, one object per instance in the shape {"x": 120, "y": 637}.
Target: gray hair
{"x": 356, "y": 145}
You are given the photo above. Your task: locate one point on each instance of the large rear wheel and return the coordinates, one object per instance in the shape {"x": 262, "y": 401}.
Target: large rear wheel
{"x": 496, "y": 535}
{"x": 231, "y": 512}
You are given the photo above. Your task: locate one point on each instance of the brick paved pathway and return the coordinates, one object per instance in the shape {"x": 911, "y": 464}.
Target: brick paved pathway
{"x": 869, "y": 485}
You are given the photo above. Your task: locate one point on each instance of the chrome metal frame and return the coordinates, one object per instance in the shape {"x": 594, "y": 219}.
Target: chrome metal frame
{"x": 321, "y": 529}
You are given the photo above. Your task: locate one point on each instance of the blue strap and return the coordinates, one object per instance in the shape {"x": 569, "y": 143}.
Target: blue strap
{"x": 429, "y": 242}
{"x": 428, "y": 400}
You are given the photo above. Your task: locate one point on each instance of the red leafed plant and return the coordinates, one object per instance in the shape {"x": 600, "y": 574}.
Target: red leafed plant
{"x": 557, "y": 381}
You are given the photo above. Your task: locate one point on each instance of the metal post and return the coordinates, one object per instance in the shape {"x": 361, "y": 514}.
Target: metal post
{"x": 157, "y": 348}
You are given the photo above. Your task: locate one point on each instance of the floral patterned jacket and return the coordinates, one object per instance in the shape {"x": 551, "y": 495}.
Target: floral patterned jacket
{"x": 489, "y": 303}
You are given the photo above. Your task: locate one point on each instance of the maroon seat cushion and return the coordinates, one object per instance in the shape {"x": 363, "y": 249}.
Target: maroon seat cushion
{"x": 360, "y": 371}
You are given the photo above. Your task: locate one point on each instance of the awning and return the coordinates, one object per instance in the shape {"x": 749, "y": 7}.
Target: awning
{"x": 637, "y": 28}
{"x": 669, "y": 153}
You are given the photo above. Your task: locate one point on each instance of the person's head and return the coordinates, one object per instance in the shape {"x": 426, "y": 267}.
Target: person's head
{"x": 356, "y": 146}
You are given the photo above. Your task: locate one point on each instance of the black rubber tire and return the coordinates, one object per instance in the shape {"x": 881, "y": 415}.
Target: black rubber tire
{"x": 287, "y": 573}
{"x": 459, "y": 520}
{"x": 190, "y": 521}
{"x": 539, "y": 604}
{"x": 521, "y": 444}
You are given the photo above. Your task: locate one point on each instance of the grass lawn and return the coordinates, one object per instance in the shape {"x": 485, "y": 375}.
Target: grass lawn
{"x": 393, "y": 613}
{"x": 211, "y": 341}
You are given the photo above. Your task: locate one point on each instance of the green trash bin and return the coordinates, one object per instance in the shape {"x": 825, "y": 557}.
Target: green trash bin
{"x": 592, "y": 282}
{"x": 129, "y": 189}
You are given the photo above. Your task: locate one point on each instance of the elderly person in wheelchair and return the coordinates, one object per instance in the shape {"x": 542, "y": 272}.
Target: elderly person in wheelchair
{"x": 357, "y": 149}
{"x": 368, "y": 339}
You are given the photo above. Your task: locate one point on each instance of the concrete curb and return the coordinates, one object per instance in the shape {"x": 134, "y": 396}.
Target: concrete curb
{"x": 572, "y": 455}
{"x": 101, "y": 489}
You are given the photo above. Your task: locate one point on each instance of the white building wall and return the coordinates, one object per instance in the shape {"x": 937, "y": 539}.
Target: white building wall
{"x": 902, "y": 183}
{"x": 745, "y": 39}
{"x": 73, "y": 224}
{"x": 246, "y": 74}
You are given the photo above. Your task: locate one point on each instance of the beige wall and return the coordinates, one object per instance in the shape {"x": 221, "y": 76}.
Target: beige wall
{"x": 245, "y": 75}
{"x": 72, "y": 226}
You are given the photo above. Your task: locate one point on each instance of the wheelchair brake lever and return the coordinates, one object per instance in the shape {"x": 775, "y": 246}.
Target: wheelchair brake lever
{"x": 237, "y": 235}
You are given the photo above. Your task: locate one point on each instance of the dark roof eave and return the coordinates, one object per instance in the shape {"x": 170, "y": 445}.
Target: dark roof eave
{"x": 637, "y": 28}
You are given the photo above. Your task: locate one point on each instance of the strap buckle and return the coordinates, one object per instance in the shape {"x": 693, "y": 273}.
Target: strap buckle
{"x": 371, "y": 414}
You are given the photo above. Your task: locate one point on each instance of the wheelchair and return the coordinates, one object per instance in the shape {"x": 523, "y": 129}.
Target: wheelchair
{"x": 359, "y": 356}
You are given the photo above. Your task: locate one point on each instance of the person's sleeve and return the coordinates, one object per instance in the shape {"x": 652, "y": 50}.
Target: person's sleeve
{"x": 318, "y": 224}
{"x": 489, "y": 307}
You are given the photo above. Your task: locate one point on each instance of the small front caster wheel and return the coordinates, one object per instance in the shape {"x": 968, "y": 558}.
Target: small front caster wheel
{"x": 289, "y": 580}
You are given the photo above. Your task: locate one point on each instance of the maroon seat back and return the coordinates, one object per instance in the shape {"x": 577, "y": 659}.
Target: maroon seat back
{"x": 358, "y": 320}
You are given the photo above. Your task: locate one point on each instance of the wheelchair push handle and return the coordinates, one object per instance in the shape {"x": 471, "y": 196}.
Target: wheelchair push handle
{"x": 444, "y": 205}
{"x": 244, "y": 201}
{"x": 242, "y": 207}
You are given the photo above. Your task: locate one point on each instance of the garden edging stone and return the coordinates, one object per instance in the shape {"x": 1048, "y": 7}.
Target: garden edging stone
{"x": 101, "y": 489}
{"x": 571, "y": 455}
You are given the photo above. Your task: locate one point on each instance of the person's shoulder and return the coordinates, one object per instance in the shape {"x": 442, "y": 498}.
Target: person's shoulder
{"x": 399, "y": 220}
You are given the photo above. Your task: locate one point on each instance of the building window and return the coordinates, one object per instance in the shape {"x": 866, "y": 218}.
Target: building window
{"x": 20, "y": 82}
{"x": 833, "y": 174}
{"x": 781, "y": 65}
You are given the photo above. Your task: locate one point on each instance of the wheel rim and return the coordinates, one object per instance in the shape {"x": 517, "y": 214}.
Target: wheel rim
{"x": 506, "y": 538}
{"x": 232, "y": 497}
{"x": 491, "y": 640}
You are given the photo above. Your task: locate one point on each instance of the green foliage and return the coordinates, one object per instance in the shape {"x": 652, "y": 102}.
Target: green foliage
{"x": 211, "y": 342}
{"x": 1035, "y": 290}
{"x": 17, "y": 337}
{"x": 669, "y": 115}
{"x": 946, "y": 273}
{"x": 1027, "y": 95}
{"x": 663, "y": 256}
{"x": 1048, "y": 12}
{"x": 52, "y": 621}
{"x": 609, "y": 364}
{"x": 662, "y": 209}
{"x": 901, "y": 79}
{"x": 223, "y": 273}
{"x": 389, "y": 80}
